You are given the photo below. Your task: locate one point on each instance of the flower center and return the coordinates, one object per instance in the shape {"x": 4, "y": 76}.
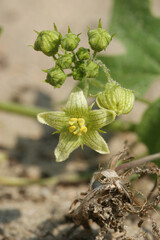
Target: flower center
{"x": 77, "y": 126}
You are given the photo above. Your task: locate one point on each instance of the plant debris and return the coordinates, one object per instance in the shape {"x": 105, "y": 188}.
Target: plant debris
{"x": 110, "y": 201}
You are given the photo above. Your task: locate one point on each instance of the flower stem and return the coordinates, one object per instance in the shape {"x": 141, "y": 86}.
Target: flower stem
{"x": 105, "y": 70}
{"x": 143, "y": 100}
{"x": 15, "y": 181}
{"x": 86, "y": 87}
{"x": 21, "y": 109}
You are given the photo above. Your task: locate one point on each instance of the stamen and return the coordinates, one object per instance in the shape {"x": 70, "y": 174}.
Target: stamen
{"x": 81, "y": 121}
{"x": 72, "y": 121}
{"x": 83, "y": 129}
{"x": 72, "y": 128}
{"x": 77, "y": 126}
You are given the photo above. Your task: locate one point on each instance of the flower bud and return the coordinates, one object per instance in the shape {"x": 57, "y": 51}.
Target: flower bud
{"x": 91, "y": 69}
{"x": 47, "y": 42}
{"x": 65, "y": 61}
{"x": 55, "y": 77}
{"x": 116, "y": 98}
{"x": 78, "y": 74}
{"x": 99, "y": 38}
{"x": 70, "y": 41}
{"x": 83, "y": 53}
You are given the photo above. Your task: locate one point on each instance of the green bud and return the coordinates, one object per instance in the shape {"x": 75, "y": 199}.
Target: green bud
{"x": 79, "y": 71}
{"x": 116, "y": 98}
{"x": 65, "y": 61}
{"x": 83, "y": 53}
{"x": 91, "y": 69}
{"x": 70, "y": 41}
{"x": 78, "y": 74}
{"x": 55, "y": 77}
{"x": 47, "y": 42}
{"x": 85, "y": 69}
{"x": 99, "y": 38}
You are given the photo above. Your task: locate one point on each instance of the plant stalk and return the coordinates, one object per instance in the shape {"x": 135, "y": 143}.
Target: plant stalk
{"x": 21, "y": 109}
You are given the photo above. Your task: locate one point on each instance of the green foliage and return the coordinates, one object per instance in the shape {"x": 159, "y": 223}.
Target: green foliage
{"x": 138, "y": 30}
{"x": 149, "y": 128}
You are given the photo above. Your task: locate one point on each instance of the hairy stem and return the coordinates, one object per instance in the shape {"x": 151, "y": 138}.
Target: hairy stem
{"x": 105, "y": 69}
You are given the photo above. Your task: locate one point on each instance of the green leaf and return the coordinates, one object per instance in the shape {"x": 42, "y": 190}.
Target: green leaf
{"x": 149, "y": 128}
{"x": 138, "y": 30}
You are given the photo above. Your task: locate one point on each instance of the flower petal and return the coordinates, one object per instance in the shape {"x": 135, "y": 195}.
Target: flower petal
{"x": 67, "y": 144}
{"x": 94, "y": 140}
{"x": 77, "y": 104}
{"x": 57, "y": 120}
{"x": 100, "y": 118}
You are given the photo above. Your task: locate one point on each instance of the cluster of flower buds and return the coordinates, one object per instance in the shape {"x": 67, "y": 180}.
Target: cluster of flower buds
{"x": 80, "y": 62}
{"x": 78, "y": 124}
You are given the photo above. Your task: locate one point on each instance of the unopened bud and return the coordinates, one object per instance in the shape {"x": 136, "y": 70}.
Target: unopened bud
{"x": 65, "y": 61}
{"x": 48, "y": 42}
{"x": 83, "y": 53}
{"x": 116, "y": 98}
{"x": 91, "y": 69}
{"x": 70, "y": 41}
{"x": 99, "y": 38}
{"x": 55, "y": 77}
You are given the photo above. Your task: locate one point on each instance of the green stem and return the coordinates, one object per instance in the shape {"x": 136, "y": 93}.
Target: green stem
{"x": 94, "y": 55}
{"x": 86, "y": 87}
{"x": 143, "y": 100}
{"x": 14, "y": 181}
{"x": 21, "y": 109}
{"x": 69, "y": 74}
{"x": 54, "y": 57}
{"x": 98, "y": 84}
{"x": 105, "y": 70}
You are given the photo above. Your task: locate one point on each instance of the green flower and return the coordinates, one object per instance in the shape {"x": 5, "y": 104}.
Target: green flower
{"x": 78, "y": 125}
